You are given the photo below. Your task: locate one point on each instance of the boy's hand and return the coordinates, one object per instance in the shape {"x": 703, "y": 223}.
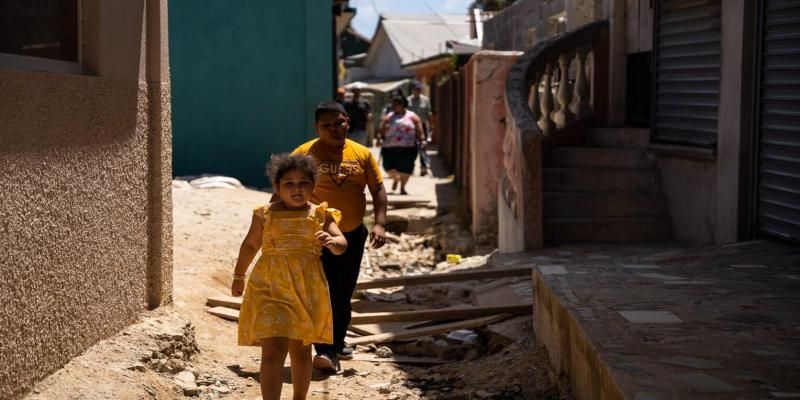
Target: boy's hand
{"x": 237, "y": 287}
{"x": 325, "y": 238}
{"x": 377, "y": 236}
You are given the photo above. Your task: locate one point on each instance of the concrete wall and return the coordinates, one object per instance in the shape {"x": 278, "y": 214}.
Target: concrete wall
{"x": 639, "y": 26}
{"x": 85, "y": 203}
{"x": 486, "y": 78}
{"x": 509, "y": 29}
{"x": 704, "y": 186}
{"x": 246, "y": 80}
{"x": 690, "y": 186}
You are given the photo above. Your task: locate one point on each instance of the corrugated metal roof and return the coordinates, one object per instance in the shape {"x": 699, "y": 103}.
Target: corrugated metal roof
{"x": 419, "y": 36}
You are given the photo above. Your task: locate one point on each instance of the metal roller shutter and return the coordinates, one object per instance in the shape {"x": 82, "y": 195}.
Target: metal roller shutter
{"x": 686, "y": 84}
{"x": 779, "y": 120}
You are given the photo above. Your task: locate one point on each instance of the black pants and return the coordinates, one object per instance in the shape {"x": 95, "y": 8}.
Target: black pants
{"x": 342, "y": 273}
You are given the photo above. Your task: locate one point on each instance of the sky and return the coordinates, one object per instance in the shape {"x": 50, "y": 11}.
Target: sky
{"x": 367, "y": 16}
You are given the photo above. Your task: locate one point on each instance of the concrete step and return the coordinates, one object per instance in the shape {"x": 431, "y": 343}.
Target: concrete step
{"x": 587, "y": 204}
{"x": 599, "y": 180}
{"x": 620, "y": 137}
{"x": 598, "y": 157}
{"x": 606, "y": 230}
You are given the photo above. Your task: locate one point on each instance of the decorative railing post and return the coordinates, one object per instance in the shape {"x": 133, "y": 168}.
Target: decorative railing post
{"x": 546, "y": 103}
{"x": 563, "y": 115}
{"x": 581, "y": 105}
{"x": 533, "y": 97}
{"x": 530, "y": 120}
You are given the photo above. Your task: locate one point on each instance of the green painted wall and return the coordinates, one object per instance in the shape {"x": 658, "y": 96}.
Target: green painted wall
{"x": 246, "y": 77}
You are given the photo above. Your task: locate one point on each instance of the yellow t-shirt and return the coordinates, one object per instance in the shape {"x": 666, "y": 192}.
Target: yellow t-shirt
{"x": 343, "y": 175}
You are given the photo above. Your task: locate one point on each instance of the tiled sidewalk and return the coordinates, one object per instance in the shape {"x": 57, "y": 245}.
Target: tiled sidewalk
{"x": 650, "y": 322}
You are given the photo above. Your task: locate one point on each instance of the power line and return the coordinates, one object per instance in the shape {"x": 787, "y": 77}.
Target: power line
{"x": 399, "y": 43}
{"x": 375, "y": 9}
{"x": 446, "y": 25}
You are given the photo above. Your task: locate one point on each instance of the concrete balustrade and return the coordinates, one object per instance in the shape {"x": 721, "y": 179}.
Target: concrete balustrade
{"x": 548, "y": 90}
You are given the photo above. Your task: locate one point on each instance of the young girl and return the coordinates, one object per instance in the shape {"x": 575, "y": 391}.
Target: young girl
{"x": 286, "y": 305}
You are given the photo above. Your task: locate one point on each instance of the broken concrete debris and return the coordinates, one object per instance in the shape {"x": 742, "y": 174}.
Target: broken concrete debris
{"x": 186, "y": 381}
{"x": 174, "y": 350}
{"x": 383, "y": 352}
{"x": 464, "y": 336}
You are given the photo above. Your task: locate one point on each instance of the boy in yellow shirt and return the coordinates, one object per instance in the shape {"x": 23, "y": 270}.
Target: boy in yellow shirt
{"x": 345, "y": 169}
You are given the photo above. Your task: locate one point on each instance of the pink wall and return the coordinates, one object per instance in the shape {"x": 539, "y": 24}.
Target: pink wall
{"x": 486, "y": 112}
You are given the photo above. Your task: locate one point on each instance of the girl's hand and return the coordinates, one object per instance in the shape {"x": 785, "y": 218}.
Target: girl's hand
{"x": 237, "y": 287}
{"x": 325, "y": 238}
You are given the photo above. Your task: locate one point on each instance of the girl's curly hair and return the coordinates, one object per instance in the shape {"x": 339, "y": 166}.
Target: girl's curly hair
{"x": 280, "y": 164}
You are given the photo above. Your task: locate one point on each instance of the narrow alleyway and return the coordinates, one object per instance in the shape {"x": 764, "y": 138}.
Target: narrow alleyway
{"x": 667, "y": 321}
{"x": 500, "y": 361}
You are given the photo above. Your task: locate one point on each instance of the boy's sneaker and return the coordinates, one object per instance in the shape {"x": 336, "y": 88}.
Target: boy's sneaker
{"x": 325, "y": 362}
{"x": 346, "y": 353}
{"x": 423, "y": 172}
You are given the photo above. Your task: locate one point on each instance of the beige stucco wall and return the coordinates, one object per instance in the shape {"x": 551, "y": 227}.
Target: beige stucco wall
{"x": 85, "y": 207}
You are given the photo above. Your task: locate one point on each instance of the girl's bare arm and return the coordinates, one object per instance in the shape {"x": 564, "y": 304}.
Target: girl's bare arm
{"x": 250, "y": 245}
{"x": 331, "y": 237}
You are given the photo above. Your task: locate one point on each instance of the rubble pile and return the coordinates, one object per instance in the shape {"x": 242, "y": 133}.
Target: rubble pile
{"x": 421, "y": 253}
{"x": 175, "y": 350}
{"x": 402, "y": 254}
{"x": 519, "y": 371}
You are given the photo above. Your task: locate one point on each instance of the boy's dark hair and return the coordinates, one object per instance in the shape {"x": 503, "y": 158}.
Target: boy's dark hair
{"x": 328, "y": 106}
{"x": 280, "y": 164}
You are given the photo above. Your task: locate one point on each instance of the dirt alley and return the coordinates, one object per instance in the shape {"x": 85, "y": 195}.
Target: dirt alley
{"x": 141, "y": 362}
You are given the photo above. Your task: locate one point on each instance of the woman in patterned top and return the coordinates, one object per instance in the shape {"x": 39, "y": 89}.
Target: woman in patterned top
{"x": 399, "y": 133}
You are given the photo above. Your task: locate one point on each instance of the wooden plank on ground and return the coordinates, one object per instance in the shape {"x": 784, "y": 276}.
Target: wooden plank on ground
{"x": 442, "y": 313}
{"x": 445, "y": 277}
{"x": 224, "y": 312}
{"x": 398, "y": 359}
{"x": 360, "y": 331}
{"x": 431, "y": 330}
{"x": 225, "y": 301}
{"x": 374, "y": 329}
{"x": 229, "y": 301}
{"x": 403, "y": 200}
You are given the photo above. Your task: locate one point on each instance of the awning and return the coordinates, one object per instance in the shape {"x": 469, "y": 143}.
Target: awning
{"x": 380, "y": 86}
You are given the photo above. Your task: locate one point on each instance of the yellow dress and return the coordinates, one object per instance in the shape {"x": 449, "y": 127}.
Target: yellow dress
{"x": 287, "y": 294}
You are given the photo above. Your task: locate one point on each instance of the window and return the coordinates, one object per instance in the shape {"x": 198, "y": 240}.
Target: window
{"x": 40, "y": 35}
{"x": 530, "y": 37}
{"x": 557, "y": 24}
